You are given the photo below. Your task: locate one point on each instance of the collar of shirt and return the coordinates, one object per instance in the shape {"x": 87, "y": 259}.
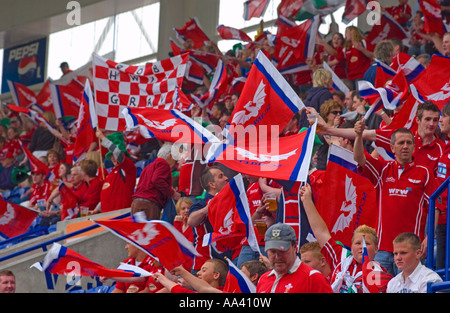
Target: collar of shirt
{"x": 415, "y": 275}
{"x": 404, "y": 166}
{"x": 293, "y": 268}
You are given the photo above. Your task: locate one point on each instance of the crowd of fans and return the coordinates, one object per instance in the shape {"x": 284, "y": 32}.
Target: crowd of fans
{"x": 114, "y": 176}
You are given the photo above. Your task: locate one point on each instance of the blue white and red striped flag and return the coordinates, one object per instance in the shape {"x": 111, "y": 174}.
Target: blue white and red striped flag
{"x": 87, "y": 122}
{"x": 254, "y": 8}
{"x": 168, "y": 125}
{"x": 295, "y": 45}
{"x": 354, "y": 198}
{"x": 158, "y": 238}
{"x": 229, "y": 215}
{"x": 237, "y": 281}
{"x": 219, "y": 86}
{"x": 267, "y": 99}
{"x": 64, "y": 261}
{"x": 66, "y": 100}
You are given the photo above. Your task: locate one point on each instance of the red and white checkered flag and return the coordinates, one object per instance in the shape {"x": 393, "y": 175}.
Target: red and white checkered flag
{"x": 118, "y": 86}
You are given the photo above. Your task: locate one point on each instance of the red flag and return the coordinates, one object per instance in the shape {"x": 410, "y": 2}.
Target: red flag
{"x": 353, "y": 9}
{"x": 266, "y": 100}
{"x": 295, "y": 45}
{"x": 433, "y": 84}
{"x": 87, "y": 121}
{"x": 64, "y": 261}
{"x": 158, "y": 238}
{"x": 176, "y": 49}
{"x": 66, "y": 100}
{"x": 22, "y": 95}
{"x": 237, "y": 281}
{"x": 387, "y": 28}
{"x": 354, "y": 198}
{"x": 227, "y": 32}
{"x": 218, "y": 87}
{"x": 289, "y": 8}
{"x": 15, "y": 219}
{"x": 35, "y": 164}
{"x": 254, "y": 8}
{"x": 229, "y": 215}
{"x": 168, "y": 125}
{"x": 284, "y": 158}
{"x": 432, "y": 15}
{"x": 192, "y": 30}
{"x": 44, "y": 98}
{"x": 69, "y": 201}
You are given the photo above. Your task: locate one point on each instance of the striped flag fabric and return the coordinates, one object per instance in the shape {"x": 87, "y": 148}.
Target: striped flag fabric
{"x": 22, "y": 95}
{"x": 229, "y": 215}
{"x": 168, "y": 125}
{"x": 338, "y": 84}
{"x": 64, "y": 261}
{"x": 87, "y": 122}
{"x": 118, "y": 86}
{"x": 219, "y": 86}
{"x": 158, "y": 238}
{"x": 254, "y": 8}
{"x": 66, "y": 100}
{"x": 237, "y": 281}
{"x": 354, "y": 198}
{"x": 295, "y": 45}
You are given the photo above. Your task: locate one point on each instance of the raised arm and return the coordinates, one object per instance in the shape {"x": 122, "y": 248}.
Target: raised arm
{"x": 358, "y": 146}
{"x": 318, "y": 225}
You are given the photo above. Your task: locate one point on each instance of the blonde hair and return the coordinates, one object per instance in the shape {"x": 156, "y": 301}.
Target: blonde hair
{"x": 366, "y": 230}
{"x": 410, "y": 238}
{"x": 328, "y": 106}
{"x": 356, "y": 37}
{"x": 314, "y": 247}
{"x": 180, "y": 201}
{"x": 321, "y": 77}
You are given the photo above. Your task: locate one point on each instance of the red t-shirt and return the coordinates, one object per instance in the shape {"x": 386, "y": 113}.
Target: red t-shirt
{"x": 92, "y": 196}
{"x": 427, "y": 155}
{"x": 40, "y": 194}
{"x": 357, "y": 62}
{"x": 403, "y": 198}
{"x": 118, "y": 187}
{"x": 300, "y": 279}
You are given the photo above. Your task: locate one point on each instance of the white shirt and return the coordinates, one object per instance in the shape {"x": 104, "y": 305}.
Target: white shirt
{"x": 414, "y": 283}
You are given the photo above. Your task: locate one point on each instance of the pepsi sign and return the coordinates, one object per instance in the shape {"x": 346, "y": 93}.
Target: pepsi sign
{"x": 25, "y": 64}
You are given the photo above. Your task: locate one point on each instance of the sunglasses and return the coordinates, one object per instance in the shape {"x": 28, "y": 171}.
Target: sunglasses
{"x": 336, "y": 112}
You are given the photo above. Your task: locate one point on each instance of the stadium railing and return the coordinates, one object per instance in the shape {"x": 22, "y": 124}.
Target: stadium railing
{"x": 444, "y": 273}
{"x": 43, "y": 245}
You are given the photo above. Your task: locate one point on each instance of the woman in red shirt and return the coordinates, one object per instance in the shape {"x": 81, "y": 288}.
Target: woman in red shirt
{"x": 357, "y": 55}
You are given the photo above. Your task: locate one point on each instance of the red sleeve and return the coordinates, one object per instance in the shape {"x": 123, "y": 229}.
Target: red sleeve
{"x": 181, "y": 289}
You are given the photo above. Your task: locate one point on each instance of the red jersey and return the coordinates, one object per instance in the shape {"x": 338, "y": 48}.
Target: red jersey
{"x": 300, "y": 279}
{"x": 92, "y": 196}
{"x": 189, "y": 234}
{"x": 427, "y": 155}
{"x": 118, "y": 187}
{"x": 403, "y": 193}
{"x": 357, "y": 62}
{"x": 40, "y": 194}
{"x": 340, "y": 68}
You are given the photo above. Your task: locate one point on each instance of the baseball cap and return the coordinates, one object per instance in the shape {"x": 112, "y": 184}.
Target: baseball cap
{"x": 279, "y": 236}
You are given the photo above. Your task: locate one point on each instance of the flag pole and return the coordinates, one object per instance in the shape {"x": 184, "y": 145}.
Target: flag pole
{"x": 100, "y": 152}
